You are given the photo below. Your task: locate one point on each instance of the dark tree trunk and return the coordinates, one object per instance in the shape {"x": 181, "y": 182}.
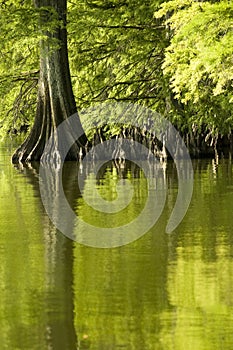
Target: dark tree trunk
{"x": 55, "y": 95}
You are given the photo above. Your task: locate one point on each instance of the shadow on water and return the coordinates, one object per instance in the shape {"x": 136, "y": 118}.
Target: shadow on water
{"x": 95, "y": 298}
{"x": 37, "y": 265}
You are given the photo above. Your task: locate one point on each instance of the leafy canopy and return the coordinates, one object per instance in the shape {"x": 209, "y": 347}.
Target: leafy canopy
{"x": 201, "y": 49}
{"x": 199, "y": 58}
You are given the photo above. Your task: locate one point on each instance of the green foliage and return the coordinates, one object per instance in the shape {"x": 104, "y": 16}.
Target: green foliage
{"x": 176, "y": 59}
{"x": 199, "y": 59}
{"x": 116, "y": 51}
{"x": 18, "y": 52}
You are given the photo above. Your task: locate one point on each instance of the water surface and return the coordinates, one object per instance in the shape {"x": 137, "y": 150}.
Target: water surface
{"x": 169, "y": 292}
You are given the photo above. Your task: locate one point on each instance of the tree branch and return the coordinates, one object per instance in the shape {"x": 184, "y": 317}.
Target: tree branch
{"x": 139, "y": 27}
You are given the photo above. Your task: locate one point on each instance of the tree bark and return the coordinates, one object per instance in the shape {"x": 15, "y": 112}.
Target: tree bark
{"x": 55, "y": 101}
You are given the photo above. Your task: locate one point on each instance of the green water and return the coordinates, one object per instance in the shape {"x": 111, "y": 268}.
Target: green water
{"x": 169, "y": 292}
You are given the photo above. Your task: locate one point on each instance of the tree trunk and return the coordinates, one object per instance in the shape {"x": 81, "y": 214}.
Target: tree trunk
{"x": 55, "y": 95}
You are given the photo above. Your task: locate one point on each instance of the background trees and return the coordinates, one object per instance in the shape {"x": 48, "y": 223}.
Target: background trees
{"x": 117, "y": 51}
{"x": 176, "y": 59}
{"x": 19, "y": 64}
{"x": 199, "y": 60}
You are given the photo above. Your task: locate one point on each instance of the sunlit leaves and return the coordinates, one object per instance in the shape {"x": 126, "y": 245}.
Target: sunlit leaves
{"x": 201, "y": 51}
{"x": 199, "y": 60}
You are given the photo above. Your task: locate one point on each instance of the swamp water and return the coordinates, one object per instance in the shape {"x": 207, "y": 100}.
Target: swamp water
{"x": 161, "y": 292}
